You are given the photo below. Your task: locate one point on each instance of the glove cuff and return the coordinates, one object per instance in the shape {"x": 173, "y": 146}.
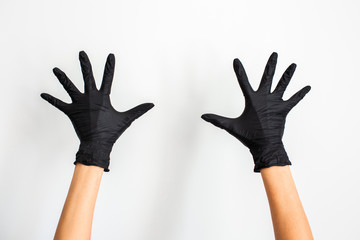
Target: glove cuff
{"x": 270, "y": 156}
{"x": 94, "y": 153}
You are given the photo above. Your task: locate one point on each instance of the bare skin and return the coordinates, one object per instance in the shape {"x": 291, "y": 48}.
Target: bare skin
{"x": 287, "y": 213}
{"x": 77, "y": 215}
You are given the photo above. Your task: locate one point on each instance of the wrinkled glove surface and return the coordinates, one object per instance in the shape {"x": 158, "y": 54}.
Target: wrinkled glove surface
{"x": 261, "y": 125}
{"x": 97, "y": 124}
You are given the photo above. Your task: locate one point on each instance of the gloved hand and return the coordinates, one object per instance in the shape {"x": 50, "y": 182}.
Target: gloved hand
{"x": 97, "y": 124}
{"x": 261, "y": 125}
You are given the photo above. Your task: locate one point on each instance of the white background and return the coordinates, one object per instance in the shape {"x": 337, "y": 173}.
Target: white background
{"x": 174, "y": 176}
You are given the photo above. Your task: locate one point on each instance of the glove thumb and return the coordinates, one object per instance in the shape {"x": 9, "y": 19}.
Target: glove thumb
{"x": 219, "y": 121}
{"x": 139, "y": 110}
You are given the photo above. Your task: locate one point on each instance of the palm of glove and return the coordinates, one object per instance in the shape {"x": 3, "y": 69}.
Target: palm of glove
{"x": 261, "y": 125}
{"x": 94, "y": 118}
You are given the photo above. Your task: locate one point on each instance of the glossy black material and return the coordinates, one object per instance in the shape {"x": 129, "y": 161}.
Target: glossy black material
{"x": 97, "y": 124}
{"x": 261, "y": 125}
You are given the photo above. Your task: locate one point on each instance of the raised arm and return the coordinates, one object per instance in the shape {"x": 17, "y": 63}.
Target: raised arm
{"x": 98, "y": 125}
{"x": 260, "y": 128}
{"x": 288, "y": 216}
{"x": 77, "y": 215}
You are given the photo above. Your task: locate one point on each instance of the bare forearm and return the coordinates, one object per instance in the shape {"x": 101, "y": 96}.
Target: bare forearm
{"x": 288, "y": 215}
{"x": 76, "y": 218}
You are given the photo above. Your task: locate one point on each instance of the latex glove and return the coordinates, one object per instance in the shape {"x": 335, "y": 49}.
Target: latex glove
{"x": 261, "y": 125}
{"x": 97, "y": 124}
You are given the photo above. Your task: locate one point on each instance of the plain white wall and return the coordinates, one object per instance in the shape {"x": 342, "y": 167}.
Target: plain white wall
{"x": 173, "y": 176}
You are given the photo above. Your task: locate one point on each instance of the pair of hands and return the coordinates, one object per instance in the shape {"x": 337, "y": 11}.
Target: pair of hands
{"x": 98, "y": 125}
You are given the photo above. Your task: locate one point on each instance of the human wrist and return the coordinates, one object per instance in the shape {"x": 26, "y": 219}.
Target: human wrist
{"x": 269, "y": 155}
{"x": 94, "y": 153}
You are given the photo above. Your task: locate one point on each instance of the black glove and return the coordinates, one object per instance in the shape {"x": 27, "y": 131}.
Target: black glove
{"x": 97, "y": 124}
{"x": 261, "y": 125}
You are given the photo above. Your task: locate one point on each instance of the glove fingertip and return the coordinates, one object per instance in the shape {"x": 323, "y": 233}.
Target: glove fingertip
{"x": 274, "y": 55}
{"x": 150, "y": 105}
{"x": 140, "y": 110}
{"x": 237, "y": 66}
{"x": 82, "y": 54}
{"x": 211, "y": 118}
{"x": 44, "y": 96}
{"x": 111, "y": 58}
{"x": 205, "y": 117}
{"x": 56, "y": 70}
{"x": 305, "y": 91}
{"x": 236, "y": 62}
{"x": 59, "y": 74}
{"x": 146, "y": 107}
